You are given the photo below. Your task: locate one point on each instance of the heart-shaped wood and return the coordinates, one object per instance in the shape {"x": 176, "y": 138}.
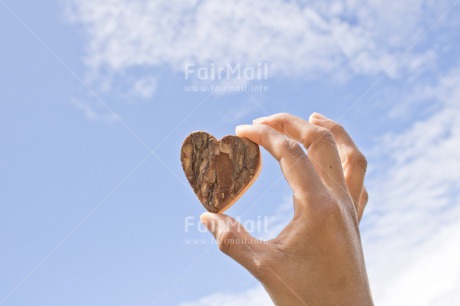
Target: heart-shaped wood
{"x": 220, "y": 171}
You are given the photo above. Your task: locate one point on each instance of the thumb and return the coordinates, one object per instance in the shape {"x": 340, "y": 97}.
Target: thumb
{"x": 234, "y": 240}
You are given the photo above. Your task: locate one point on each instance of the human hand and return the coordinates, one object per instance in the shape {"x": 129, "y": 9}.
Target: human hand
{"x": 317, "y": 259}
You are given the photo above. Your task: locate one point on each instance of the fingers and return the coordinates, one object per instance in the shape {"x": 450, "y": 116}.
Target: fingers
{"x": 318, "y": 141}
{"x": 354, "y": 163}
{"x": 235, "y": 241}
{"x": 296, "y": 167}
{"x": 363, "y": 199}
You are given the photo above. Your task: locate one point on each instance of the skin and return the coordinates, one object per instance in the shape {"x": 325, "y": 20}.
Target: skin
{"x": 318, "y": 258}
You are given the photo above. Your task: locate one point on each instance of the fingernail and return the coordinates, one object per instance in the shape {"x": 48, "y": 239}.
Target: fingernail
{"x": 255, "y": 121}
{"x": 207, "y": 221}
{"x": 242, "y": 127}
{"x": 318, "y": 116}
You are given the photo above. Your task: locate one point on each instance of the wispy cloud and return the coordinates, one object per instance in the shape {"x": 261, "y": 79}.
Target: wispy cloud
{"x": 95, "y": 112}
{"x": 255, "y": 297}
{"x": 145, "y": 87}
{"x": 413, "y": 219}
{"x": 335, "y": 38}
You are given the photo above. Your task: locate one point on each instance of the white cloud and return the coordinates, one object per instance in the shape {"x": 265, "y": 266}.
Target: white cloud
{"x": 411, "y": 228}
{"x": 95, "y": 112}
{"x": 412, "y": 224}
{"x": 335, "y": 38}
{"x": 429, "y": 275}
{"x": 253, "y": 297}
{"x": 145, "y": 87}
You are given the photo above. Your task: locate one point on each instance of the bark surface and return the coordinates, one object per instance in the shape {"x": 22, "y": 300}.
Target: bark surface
{"x": 219, "y": 171}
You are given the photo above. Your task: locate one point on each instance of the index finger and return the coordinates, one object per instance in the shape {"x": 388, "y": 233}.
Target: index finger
{"x": 295, "y": 165}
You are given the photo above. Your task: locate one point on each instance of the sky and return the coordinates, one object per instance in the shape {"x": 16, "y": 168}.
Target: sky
{"x": 95, "y": 101}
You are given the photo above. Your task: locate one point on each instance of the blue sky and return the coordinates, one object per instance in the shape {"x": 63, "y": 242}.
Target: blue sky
{"x": 93, "y": 111}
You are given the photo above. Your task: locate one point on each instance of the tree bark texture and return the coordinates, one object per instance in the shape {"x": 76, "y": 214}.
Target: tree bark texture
{"x": 219, "y": 171}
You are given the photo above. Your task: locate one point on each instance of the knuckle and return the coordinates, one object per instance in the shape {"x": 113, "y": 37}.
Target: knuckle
{"x": 340, "y": 214}
{"x": 336, "y": 210}
{"x": 225, "y": 239}
{"x": 325, "y": 136}
{"x": 330, "y": 208}
{"x": 265, "y": 134}
{"x": 283, "y": 119}
{"x": 284, "y": 116}
{"x": 337, "y": 128}
{"x": 333, "y": 213}
{"x": 284, "y": 144}
{"x": 365, "y": 197}
{"x": 358, "y": 158}
{"x": 292, "y": 148}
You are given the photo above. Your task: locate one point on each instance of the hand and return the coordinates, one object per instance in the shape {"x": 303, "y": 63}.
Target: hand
{"x": 317, "y": 259}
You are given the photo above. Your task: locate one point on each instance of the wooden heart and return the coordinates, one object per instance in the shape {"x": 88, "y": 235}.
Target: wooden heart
{"x": 220, "y": 171}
